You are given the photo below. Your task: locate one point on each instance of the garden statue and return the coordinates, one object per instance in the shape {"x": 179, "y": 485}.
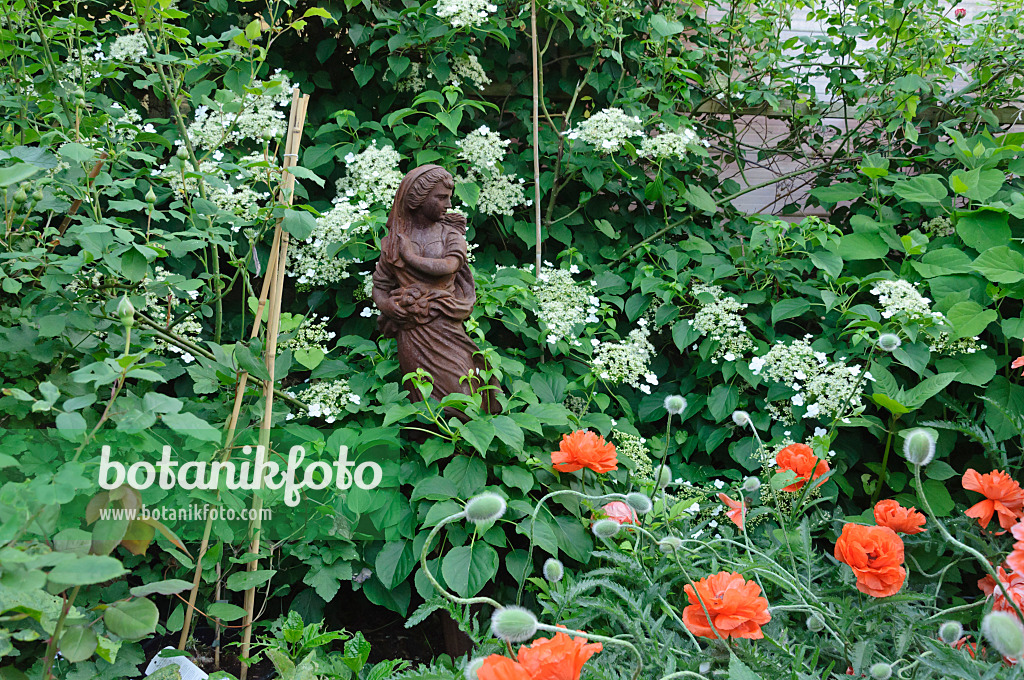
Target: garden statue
{"x": 424, "y": 288}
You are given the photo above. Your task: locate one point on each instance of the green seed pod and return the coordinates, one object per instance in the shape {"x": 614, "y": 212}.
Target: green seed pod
{"x": 151, "y": 196}
{"x": 486, "y": 507}
{"x": 950, "y": 632}
{"x": 639, "y": 502}
{"x": 554, "y": 570}
{"x": 514, "y": 624}
{"x": 1004, "y": 632}
{"x": 126, "y": 311}
{"x": 880, "y": 671}
{"x": 605, "y": 528}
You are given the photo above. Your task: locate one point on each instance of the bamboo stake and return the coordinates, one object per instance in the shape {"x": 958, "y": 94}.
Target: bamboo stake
{"x": 536, "y": 132}
{"x": 276, "y": 291}
{"x": 285, "y": 196}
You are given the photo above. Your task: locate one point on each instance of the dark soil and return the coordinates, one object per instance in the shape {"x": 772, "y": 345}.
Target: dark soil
{"x": 386, "y": 632}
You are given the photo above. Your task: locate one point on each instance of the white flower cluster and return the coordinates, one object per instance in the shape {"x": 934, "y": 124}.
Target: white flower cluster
{"x": 459, "y": 13}
{"x": 483, "y": 150}
{"x": 467, "y": 68}
{"x": 627, "y": 361}
{"x": 125, "y": 128}
{"x": 327, "y": 399}
{"x": 945, "y": 344}
{"x": 164, "y": 311}
{"x": 902, "y": 300}
{"x": 130, "y": 48}
{"x": 607, "y": 129}
{"x": 669, "y": 144}
{"x": 257, "y": 116}
{"x": 562, "y": 303}
{"x": 720, "y": 321}
{"x": 413, "y": 81}
{"x": 343, "y": 224}
{"x": 825, "y": 389}
{"x": 242, "y": 200}
{"x": 372, "y": 174}
{"x": 635, "y": 448}
{"x": 312, "y": 334}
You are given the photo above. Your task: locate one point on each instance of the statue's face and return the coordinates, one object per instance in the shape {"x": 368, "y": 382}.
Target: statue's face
{"x": 437, "y": 203}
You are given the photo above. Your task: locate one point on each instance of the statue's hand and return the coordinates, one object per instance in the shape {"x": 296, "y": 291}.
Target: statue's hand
{"x": 405, "y": 246}
{"x": 395, "y": 310}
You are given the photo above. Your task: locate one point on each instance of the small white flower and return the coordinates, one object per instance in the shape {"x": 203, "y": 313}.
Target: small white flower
{"x": 573, "y": 269}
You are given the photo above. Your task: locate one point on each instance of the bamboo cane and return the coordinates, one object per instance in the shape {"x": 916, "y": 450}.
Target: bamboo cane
{"x": 291, "y": 155}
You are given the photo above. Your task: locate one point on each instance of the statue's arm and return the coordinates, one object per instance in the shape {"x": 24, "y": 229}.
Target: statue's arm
{"x": 383, "y": 284}
{"x": 431, "y": 266}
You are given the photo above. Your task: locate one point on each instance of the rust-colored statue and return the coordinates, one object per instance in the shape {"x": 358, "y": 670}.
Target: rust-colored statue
{"x": 425, "y": 290}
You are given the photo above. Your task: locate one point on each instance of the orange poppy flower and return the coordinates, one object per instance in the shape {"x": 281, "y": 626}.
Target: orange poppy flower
{"x": 1018, "y": 363}
{"x": 800, "y": 459}
{"x": 558, "y": 658}
{"x": 876, "y": 556}
{"x": 1015, "y": 560}
{"x": 584, "y": 449}
{"x": 497, "y": 667}
{"x": 1014, "y": 584}
{"x": 890, "y": 513}
{"x": 971, "y": 647}
{"x": 1003, "y": 496}
{"x": 738, "y": 512}
{"x": 735, "y": 605}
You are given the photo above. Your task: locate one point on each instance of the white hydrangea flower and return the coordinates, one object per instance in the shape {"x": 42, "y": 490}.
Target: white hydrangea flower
{"x": 260, "y": 116}
{"x": 669, "y": 144}
{"x": 312, "y": 334}
{"x": 129, "y": 48}
{"x": 562, "y": 303}
{"x": 309, "y": 264}
{"x": 327, "y": 398}
{"x": 468, "y": 69}
{"x": 373, "y": 174}
{"x": 461, "y": 13}
{"x": 626, "y": 361}
{"x": 607, "y": 129}
{"x": 720, "y": 321}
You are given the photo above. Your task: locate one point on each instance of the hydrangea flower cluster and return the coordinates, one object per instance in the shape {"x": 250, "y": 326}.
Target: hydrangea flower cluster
{"x": 327, "y": 399}
{"x": 635, "y": 448}
{"x": 562, "y": 303}
{"x": 343, "y": 224}
{"x": 468, "y": 69}
{"x": 258, "y": 116}
{"x": 945, "y": 344}
{"x": 484, "y": 150}
{"x": 414, "y": 80}
{"x": 720, "y": 321}
{"x": 607, "y": 129}
{"x": 902, "y": 300}
{"x": 242, "y": 200}
{"x": 125, "y": 128}
{"x": 627, "y": 361}
{"x": 822, "y": 387}
{"x": 163, "y": 310}
{"x": 578, "y": 405}
{"x": 938, "y": 227}
{"x": 460, "y": 13}
{"x": 129, "y": 48}
{"x": 312, "y": 334}
{"x": 669, "y": 144}
{"x": 372, "y": 174}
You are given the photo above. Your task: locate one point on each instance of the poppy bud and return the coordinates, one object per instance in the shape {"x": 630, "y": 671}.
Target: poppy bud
{"x": 889, "y": 342}
{"x": 950, "y": 632}
{"x": 675, "y": 404}
{"x": 126, "y": 311}
{"x": 486, "y": 507}
{"x": 815, "y": 624}
{"x": 514, "y": 624}
{"x": 553, "y": 570}
{"x": 670, "y": 544}
{"x": 880, "y": 671}
{"x": 1004, "y": 632}
{"x": 741, "y": 418}
{"x": 472, "y": 667}
{"x": 605, "y": 528}
{"x": 919, "y": 446}
{"x": 664, "y": 476}
{"x": 639, "y": 502}
{"x": 751, "y": 484}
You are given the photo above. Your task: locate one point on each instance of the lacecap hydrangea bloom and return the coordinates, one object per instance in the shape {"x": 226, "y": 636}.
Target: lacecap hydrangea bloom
{"x": 562, "y": 303}
{"x": 672, "y": 144}
{"x": 607, "y": 129}
{"x": 129, "y": 48}
{"x": 627, "y": 361}
{"x": 720, "y": 320}
{"x": 327, "y": 399}
{"x": 309, "y": 262}
{"x": 372, "y": 174}
{"x": 461, "y": 13}
{"x": 259, "y": 116}
{"x": 164, "y": 310}
{"x": 312, "y": 334}
{"x": 901, "y": 301}
{"x": 484, "y": 150}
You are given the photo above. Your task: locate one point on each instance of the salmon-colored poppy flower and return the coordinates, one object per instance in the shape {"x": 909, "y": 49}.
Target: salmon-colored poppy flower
{"x": 971, "y": 647}
{"x": 558, "y": 658}
{"x": 620, "y": 512}
{"x": 735, "y": 605}
{"x": 876, "y": 556}
{"x": 801, "y": 460}
{"x": 1015, "y": 560}
{"x": 1018, "y": 363}
{"x": 584, "y": 449}
{"x": 1003, "y": 497}
{"x": 1014, "y": 584}
{"x": 497, "y": 667}
{"x": 890, "y": 513}
{"x": 738, "y": 511}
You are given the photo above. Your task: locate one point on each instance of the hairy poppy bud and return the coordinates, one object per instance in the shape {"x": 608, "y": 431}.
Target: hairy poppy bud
{"x": 486, "y": 507}
{"x": 639, "y": 502}
{"x": 670, "y": 544}
{"x": 472, "y": 667}
{"x": 514, "y": 624}
{"x": 605, "y": 528}
{"x": 815, "y": 623}
{"x": 880, "y": 671}
{"x": 741, "y": 418}
{"x": 675, "y": 404}
{"x": 751, "y": 484}
{"x": 889, "y": 342}
{"x": 664, "y": 476}
{"x": 919, "y": 446}
{"x": 553, "y": 570}
{"x": 950, "y": 632}
{"x": 1004, "y": 632}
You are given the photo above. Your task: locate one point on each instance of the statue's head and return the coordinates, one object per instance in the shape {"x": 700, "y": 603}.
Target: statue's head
{"x": 429, "y": 192}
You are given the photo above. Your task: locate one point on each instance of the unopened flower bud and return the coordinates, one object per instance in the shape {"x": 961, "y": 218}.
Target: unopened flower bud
{"x": 815, "y": 623}
{"x": 664, "y": 476}
{"x": 151, "y": 196}
{"x": 670, "y": 544}
{"x": 20, "y": 196}
{"x": 1004, "y": 632}
{"x": 37, "y": 195}
{"x": 553, "y": 570}
{"x": 950, "y": 632}
{"x": 751, "y": 484}
{"x": 889, "y": 342}
{"x": 675, "y": 404}
{"x": 126, "y": 311}
{"x": 79, "y": 94}
{"x": 919, "y": 446}
{"x": 486, "y": 507}
{"x": 880, "y": 671}
{"x": 605, "y": 528}
{"x": 514, "y": 624}
{"x": 741, "y": 418}
{"x": 181, "y": 153}
{"x": 472, "y": 667}
{"x": 639, "y": 502}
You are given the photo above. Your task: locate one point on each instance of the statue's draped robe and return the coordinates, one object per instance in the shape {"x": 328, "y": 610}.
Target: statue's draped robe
{"x": 433, "y": 337}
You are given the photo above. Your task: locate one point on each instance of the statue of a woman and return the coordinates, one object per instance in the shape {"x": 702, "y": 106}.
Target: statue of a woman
{"x": 425, "y": 290}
